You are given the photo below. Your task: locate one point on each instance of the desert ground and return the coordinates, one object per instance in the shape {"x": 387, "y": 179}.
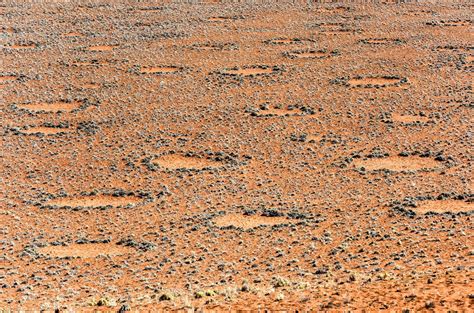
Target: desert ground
{"x": 225, "y": 157}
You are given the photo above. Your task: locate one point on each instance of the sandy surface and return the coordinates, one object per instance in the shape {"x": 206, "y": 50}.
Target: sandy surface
{"x": 236, "y": 156}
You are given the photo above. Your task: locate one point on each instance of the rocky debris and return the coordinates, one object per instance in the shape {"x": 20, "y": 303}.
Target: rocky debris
{"x": 139, "y": 245}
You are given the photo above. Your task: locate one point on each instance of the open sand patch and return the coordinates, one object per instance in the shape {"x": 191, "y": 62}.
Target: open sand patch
{"x": 44, "y": 130}
{"x": 58, "y": 106}
{"x": 314, "y": 138}
{"x": 248, "y": 221}
{"x": 101, "y": 48}
{"x": 279, "y": 111}
{"x": 409, "y": 118}
{"x": 444, "y": 206}
{"x": 8, "y": 30}
{"x": 375, "y": 81}
{"x": 23, "y": 46}
{"x": 178, "y": 161}
{"x": 7, "y": 78}
{"x": 95, "y": 201}
{"x": 397, "y": 163}
{"x": 249, "y": 71}
{"x": 85, "y": 250}
{"x": 160, "y": 70}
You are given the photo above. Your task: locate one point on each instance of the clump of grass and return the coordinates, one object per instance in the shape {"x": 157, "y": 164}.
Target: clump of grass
{"x": 279, "y": 297}
{"x": 166, "y": 297}
{"x": 279, "y": 282}
{"x": 104, "y": 301}
{"x": 201, "y": 294}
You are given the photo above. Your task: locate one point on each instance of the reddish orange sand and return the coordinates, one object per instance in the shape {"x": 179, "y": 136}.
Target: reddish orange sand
{"x": 208, "y": 156}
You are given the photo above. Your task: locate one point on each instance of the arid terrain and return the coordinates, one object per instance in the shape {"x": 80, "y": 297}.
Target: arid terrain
{"x": 236, "y": 156}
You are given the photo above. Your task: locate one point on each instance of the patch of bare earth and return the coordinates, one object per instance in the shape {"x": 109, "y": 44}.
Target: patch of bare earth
{"x": 397, "y": 163}
{"x": 178, "y": 161}
{"x": 374, "y": 81}
{"x": 23, "y": 46}
{"x": 101, "y": 48}
{"x": 160, "y": 70}
{"x": 273, "y": 111}
{"x": 45, "y": 130}
{"x": 248, "y": 221}
{"x": 7, "y": 78}
{"x": 59, "y": 106}
{"x": 85, "y": 251}
{"x": 409, "y": 118}
{"x": 93, "y": 201}
{"x": 444, "y": 206}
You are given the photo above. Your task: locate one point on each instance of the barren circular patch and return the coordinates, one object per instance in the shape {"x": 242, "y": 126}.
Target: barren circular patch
{"x": 444, "y": 206}
{"x": 101, "y": 48}
{"x": 59, "y": 106}
{"x": 45, "y": 130}
{"x": 90, "y": 86}
{"x": 248, "y": 71}
{"x": 7, "y": 78}
{"x": 23, "y": 46}
{"x": 409, "y": 118}
{"x": 178, "y": 161}
{"x": 314, "y": 138}
{"x": 397, "y": 163}
{"x": 73, "y": 34}
{"x": 375, "y": 81}
{"x": 248, "y": 221}
{"x": 85, "y": 250}
{"x": 95, "y": 201}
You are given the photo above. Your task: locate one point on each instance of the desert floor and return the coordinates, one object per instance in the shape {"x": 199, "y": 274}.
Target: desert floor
{"x": 236, "y": 156}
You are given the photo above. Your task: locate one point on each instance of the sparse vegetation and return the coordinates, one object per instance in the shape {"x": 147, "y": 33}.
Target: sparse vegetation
{"x": 236, "y": 156}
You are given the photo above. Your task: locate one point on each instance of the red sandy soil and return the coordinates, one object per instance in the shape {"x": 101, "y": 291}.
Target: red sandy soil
{"x": 236, "y": 156}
